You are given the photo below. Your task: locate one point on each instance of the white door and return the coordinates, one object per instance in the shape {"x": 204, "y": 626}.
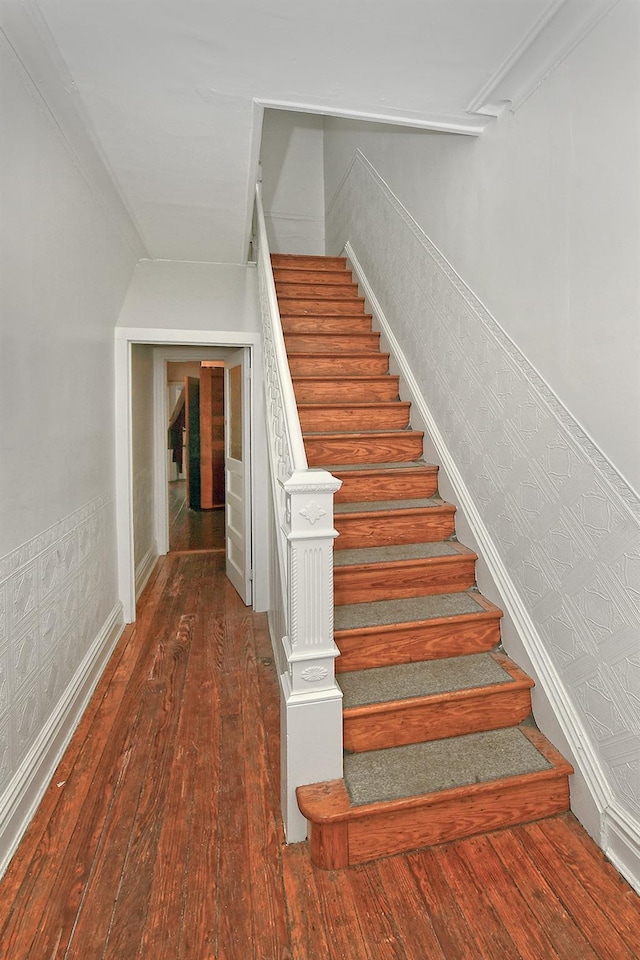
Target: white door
{"x": 237, "y": 462}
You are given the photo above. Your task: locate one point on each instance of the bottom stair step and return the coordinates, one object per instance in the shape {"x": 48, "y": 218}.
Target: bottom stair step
{"x": 396, "y": 800}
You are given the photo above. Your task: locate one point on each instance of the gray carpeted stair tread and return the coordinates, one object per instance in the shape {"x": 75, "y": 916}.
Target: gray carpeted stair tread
{"x": 422, "y": 768}
{"x": 351, "y": 616}
{"x": 428, "y": 678}
{"x": 371, "y": 506}
{"x": 402, "y": 551}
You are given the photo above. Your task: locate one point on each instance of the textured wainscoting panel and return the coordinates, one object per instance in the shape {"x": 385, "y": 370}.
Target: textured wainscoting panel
{"x": 56, "y": 593}
{"x": 564, "y": 523}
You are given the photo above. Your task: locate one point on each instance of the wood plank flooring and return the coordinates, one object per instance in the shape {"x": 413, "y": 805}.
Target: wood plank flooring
{"x": 160, "y": 836}
{"x": 193, "y": 529}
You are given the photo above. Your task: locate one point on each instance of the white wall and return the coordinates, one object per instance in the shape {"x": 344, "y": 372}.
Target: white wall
{"x": 65, "y": 268}
{"x": 144, "y": 542}
{"x": 541, "y": 220}
{"x": 180, "y": 295}
{"x": 293, "y": 181}
{"x": 541, "y": 217}
{"x": 170, "y": 303}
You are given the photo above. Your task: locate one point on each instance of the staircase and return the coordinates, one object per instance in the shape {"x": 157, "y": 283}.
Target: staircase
{"x": 439, "y": 741}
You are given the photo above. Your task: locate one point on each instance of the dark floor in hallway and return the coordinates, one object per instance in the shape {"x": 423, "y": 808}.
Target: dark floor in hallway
{"x": 160, "y": 836}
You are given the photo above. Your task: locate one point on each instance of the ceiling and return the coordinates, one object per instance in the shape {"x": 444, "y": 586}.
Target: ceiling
{"x": 172, "y": 92}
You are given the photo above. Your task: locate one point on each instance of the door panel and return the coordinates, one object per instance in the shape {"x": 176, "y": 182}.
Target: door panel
{"x": 237, "y": 403}
{"x": 192, "y": 419}
{"x": 206, "y": 440}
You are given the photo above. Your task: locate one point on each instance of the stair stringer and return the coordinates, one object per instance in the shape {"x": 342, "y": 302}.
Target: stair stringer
{"x": 591, "y": 796}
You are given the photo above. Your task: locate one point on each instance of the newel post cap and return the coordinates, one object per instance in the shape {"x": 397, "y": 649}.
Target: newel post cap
{"x": 309, "y": 495}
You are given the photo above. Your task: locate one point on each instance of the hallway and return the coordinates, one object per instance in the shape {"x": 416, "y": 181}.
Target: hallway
{"x": 160, "y": 836}
{"x": 193, "y": 529}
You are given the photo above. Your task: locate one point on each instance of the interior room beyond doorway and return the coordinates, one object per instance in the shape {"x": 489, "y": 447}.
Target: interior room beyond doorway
{"x": 196, "y": 468}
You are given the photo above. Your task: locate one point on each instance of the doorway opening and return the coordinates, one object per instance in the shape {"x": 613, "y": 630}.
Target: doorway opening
{"x": 142, "y": 458}
{"x": 196, "y": 467}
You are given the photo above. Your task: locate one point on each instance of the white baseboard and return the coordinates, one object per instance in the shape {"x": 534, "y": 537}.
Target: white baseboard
{"x": 145, "y": 568}
{"x": 622, "y": 844}
{"x": 619, "y": 836}
{"x": 20, "y": 800}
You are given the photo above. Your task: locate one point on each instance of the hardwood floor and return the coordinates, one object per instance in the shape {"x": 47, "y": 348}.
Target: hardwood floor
{"x": 193, "y": 529}
{"x": 160, "y": 836}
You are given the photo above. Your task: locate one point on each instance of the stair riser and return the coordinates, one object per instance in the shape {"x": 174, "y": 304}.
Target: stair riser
{"x": 356, "y": 489}
{"x": 406, "y": 445}
{"x": 395, "y": 416}
{"x": 386, "y": 834}
{"x": 338, "y": 324}
{"x": 351, "y": 391}
{"x": 489, "y": 709}
{"x": 403, "y": 643}
{"x": 325, "y": 343}
{"x": 319, "y": 291}
{"x": 371, "y": 364}
{"x": 285, "y": 275}
{"x": 290, "y": 261}
{"x": 415, "y": 579}
{"x": 364, "y": 531}
{"x": 320, "y": 308}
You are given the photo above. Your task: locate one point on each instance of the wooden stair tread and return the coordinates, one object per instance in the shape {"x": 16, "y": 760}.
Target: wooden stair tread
{"x": 292, "y": 325}
{"x": 369, "y": 434}
{"x": 408, "y": 466}
{"x": 361, "y": 361}
{"x": 389, "y": 414}
{"x": 427, "y": 679}
{"x": 356, "y": 389}
{"x": 363, "y": 378}
{"x": 344, "y": 321}
{"x": 354, "y": 306}
{"x": 356, "y": 405}
{"x": 310, "y": 355}
{"x": 407, "y": 703}
{"x": 376, "y": 577}
{"x": 331, "y": 342}
{"x": 309, "y": 275}
{"x": 357, "y": 556}
{"x": 291, "y": 290}
{"x": 373, "y": 633}
{"x": 362, "y": 445}
{"x": 342, "y": 833}
{"x": 387, "y": 506}
{"x": 304, "y": 261}
{"x": 412, "y": 611}
{"x": 481, "y": 763}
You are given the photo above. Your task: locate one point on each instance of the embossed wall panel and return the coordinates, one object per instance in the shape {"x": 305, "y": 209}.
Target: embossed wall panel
{"x": 61, "y": 588}
{"x": 563, "y": 521}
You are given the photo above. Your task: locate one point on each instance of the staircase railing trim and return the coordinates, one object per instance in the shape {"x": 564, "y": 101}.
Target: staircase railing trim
{"x": 301, "y": 614}
{"x": 292, "y": 424}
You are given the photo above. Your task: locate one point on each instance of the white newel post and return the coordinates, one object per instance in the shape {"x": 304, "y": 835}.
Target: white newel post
{"x": 311, "y": 713}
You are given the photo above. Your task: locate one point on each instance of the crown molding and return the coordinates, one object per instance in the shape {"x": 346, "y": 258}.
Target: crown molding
{"x": 563, "y": 25}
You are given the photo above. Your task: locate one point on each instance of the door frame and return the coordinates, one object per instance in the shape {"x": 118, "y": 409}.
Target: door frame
{"x": 238, "y": 574}
{"x": 125, "y": 337}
